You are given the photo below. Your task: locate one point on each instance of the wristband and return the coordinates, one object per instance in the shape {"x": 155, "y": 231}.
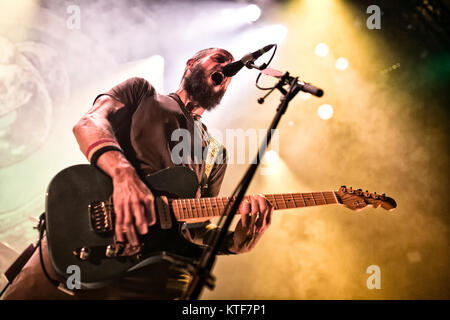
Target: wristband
{"x": 101, "y": 151}
{"x": 98, "y": 145}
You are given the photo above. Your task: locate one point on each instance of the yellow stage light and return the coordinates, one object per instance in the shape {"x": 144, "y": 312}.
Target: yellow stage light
{"x": 325, "y": 111}
{"x": 341, "y": 63}
{"x": 321, "y": 50}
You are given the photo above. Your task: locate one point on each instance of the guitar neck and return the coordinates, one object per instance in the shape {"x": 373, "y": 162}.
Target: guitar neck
{"x": 205, "y": 208}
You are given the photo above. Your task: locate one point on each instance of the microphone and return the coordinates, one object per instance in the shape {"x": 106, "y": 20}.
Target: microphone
{"x": 233, "y": 67}
{"x": 304, "y": 86}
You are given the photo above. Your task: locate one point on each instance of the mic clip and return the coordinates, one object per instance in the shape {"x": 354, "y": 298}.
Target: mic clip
{"x": 251, "y": 65}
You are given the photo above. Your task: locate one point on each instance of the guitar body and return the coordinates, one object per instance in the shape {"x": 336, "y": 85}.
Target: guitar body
{"x": 80, "y": 221}
{"x": 69, "y": 226}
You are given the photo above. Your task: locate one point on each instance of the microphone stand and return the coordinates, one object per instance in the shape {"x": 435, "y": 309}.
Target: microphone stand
{"x": 202, "y": 274}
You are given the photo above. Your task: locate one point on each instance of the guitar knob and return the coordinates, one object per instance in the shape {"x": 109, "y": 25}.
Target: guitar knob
{"x": 85, "y": 252}
{"x": 110, "y": 252}
{"x": 367, "y": 194}
{"x": 350, "y": 190}
{"x": 343, "y": 188}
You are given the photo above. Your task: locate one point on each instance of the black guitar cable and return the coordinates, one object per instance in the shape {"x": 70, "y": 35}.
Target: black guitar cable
{"x": 4, "y": 289}
{"x": 41, "y": 228}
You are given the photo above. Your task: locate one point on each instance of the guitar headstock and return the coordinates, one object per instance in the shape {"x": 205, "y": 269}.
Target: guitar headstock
{"x": 358, "y": 200}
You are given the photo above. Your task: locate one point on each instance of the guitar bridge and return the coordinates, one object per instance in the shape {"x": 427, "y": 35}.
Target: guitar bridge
{"x": 100, "y": 217}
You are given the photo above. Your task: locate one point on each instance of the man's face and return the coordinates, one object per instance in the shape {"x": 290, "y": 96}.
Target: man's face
{"x": 204, "y": 82}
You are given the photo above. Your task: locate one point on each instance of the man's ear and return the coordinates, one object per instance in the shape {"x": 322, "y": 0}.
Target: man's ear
{"x": 190, "y": 63}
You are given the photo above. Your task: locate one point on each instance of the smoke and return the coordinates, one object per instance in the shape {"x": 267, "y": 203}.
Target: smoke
{"x": 384, "y": 137}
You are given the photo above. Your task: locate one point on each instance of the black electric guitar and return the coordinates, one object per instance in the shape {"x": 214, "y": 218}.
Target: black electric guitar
{"x": 80, "y": 220}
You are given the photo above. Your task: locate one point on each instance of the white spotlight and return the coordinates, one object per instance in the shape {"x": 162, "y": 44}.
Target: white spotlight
{"x": 304, "y": 95}
{"x": 321, "y": 50}
{"x": 342, "y": 63}
{"x": 252, "y": 13}
{"x": 271, "y": 157}
{"x": 325, "y": 111}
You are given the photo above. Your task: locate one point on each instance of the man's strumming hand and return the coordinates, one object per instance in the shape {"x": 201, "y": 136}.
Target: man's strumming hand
{"x": 133, "y": 205}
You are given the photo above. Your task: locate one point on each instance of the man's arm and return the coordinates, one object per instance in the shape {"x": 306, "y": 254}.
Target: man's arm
{"x": 133, "y": 201}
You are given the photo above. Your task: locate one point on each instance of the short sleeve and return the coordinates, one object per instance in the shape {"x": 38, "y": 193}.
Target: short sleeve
{"x": 130, "y": 92}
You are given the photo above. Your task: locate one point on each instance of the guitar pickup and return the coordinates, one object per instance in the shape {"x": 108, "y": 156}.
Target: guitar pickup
{"x": 100, "y": 217}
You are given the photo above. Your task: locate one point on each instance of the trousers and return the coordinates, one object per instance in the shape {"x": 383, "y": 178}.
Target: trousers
{"x": 159, "y": 281}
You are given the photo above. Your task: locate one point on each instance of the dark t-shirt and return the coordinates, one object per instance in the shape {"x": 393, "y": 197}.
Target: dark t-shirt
{"x": 144, "y": 129}
{"x": 151, "y": 125}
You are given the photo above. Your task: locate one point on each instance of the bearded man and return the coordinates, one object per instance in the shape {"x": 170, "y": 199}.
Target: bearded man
{"x": 128, "y": 133}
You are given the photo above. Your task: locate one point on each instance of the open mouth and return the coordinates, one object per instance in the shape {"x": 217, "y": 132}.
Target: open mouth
{"x": 217, "y": 77}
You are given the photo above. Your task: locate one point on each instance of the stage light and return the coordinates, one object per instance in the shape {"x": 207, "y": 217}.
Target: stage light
{"x": 270, "y": 163}
{"x": 251, "y": 13}
{"x": 341, "y": 63}
{"x": 325, "y": 111}
{"x": 236, "y": 16}
{"x": 321, "y": 50}
{"x": 271, "y": 157}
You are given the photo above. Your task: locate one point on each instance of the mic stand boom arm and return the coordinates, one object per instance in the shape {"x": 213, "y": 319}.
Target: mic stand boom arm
{"x": 202, "y": 274}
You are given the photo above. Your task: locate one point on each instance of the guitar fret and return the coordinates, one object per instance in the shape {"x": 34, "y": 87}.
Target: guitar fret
{"x": 296, "y": 197}
{"x": 216, "y": 206}
{"x": 186, "y": 209}
{"x": 180, "y": 208}
{"x": 316, "y": 198}
{"x": 175, "y": 209}
{"x": 272, "y": 201}
{"x": 330, "y": 197}
{"x": 285, "y": 201}
{"x": 195, "y": 212}
{"x": 195, "y": 205}
{"x": 281, "y": 205}
{"x": 323, "y": 196}
{"x": 291, "y": 200}
{"x": 335, "y": 198}
{"x": 307, "y": 197}
{"x": 302, "y": 198}
{"x": 205, "y": 206}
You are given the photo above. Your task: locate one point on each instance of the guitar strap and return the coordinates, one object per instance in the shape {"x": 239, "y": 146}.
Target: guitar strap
{"x": 213, "y": 151}
{"x": 214, "y": 146}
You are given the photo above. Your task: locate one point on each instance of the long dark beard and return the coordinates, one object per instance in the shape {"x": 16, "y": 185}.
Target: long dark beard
{"x": 199, "y": 91}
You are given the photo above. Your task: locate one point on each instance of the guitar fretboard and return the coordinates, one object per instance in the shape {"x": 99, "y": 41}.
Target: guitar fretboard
{"x": 188, "y": 209}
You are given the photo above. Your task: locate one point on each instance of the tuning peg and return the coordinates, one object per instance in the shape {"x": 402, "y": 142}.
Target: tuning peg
{"x": 343, "y": 188}
{"x": 350, "y": 190}
{"x": 367, "y": 194}
{"x": 374, "y": 195}
{"x": 358, "y": 192}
